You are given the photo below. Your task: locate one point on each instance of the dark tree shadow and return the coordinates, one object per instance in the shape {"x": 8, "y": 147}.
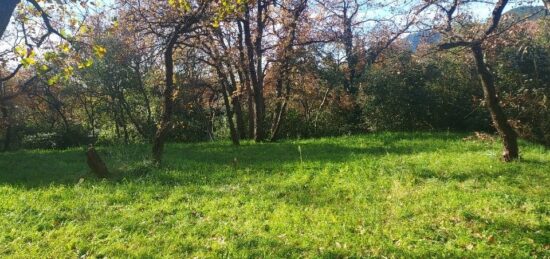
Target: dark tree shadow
{"x": 210, "y": 163}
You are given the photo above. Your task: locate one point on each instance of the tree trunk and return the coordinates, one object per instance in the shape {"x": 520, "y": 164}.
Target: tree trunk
{"x": 140, "y": 127}
{"x": 279, "y": 116}
{"x": 351, "y": 57}
{"x": 244, "y": 78}
{"x": 6, "y": 12}
{"x": 150, "y": 125}
{"x": 285, "y": 55}
{"x": 7, "y": 121}
{"x": 229, "y": 113}
{"x": 236, "y": 102}
{"x": 255, "y": 52}
{"x": 236, "y": 92}
{"x": 251, "y": 112}
{"x": 500, "y": 122}
{"x": 168, "y": 102}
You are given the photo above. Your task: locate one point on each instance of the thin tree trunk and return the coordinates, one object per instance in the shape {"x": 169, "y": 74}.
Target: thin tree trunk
{"x": 124, "y": 125}
{"x": 236, "y": 102}
{"x": 254, "y": 51}
{"x": 229, "y": 113}
{"x": 226, "y": 89}
{"x": 260, "y": 133}
{"x": 234, "y": 90}
{"x": 285, "y": 54}
{"x": 117, "y": 130}
{"x": 244, "y": 78}
{"x": 168, "y": 101}
{"x": 141, "y": 129}
{"x": 500, "y": 122}
{"x": 64, "y": 119}
{"x": 149, "y": 127}
{"x": 89, "y": 114}
{"x": 279, "y": 117}
{"x": 320, "y": 109}
{"x": 351, "y": 57}
{"x": 237, "y": 106}
{"x": 7, "y": 121}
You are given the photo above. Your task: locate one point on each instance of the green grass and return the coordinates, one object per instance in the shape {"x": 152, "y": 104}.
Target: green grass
{"x": 391, "y": 194}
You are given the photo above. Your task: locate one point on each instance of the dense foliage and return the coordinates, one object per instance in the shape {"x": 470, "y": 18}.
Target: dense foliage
{"x": 106, "y": 83}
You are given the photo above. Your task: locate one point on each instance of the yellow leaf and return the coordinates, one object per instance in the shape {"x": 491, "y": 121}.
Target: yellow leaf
{"x": 64, "y": 47}
{"x": 21, "y": 51}
{"x": 53, "y": 80}
{"x": 86, "y": 63}
{"x": 99, "y": 51}
{"x": 84, "y": 29}
{"x": 26, "y": 62}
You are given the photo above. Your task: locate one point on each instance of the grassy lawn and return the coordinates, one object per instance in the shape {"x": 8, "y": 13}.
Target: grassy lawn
{"x": 392, "y": 194}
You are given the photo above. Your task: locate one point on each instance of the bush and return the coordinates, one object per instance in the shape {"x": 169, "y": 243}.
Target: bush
{"x": 75, "y": 136}
{"x": 412, "y": 94}
{"x": 43, "y": 140}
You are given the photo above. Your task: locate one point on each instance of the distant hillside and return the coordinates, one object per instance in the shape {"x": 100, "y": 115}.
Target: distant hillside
{"x": 425, "y": 37}
{"x": 522, "y": 12}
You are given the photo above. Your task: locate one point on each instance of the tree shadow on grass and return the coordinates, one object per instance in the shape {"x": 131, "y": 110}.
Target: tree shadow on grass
{"x": 273, "y": 155}
{"x": 512, "y": 231}
{"x": 42, "y": 168}
{"x": 510, "y": 175}
{"x": 206, "y": 163}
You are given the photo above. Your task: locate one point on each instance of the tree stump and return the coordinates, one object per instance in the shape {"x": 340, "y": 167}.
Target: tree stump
{"x": 96, "y": 164}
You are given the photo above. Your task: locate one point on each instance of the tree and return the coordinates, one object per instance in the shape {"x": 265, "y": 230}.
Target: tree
{"x": 284, "y": 57}
{"x": 343, "y": 15}
{"x": 213, "y": 46}
{"x": 475, "y": 43}
{"x": 253, "y": 42}
{"x": 31, "y": 42}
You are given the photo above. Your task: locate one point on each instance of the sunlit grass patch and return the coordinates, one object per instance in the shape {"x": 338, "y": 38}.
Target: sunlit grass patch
{"x": 390, "y": 194}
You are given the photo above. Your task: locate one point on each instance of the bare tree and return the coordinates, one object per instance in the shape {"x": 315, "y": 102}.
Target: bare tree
{"x": 253, "y": 42}
{"x": 284, "y": 57}
{"x": 170, "y": 26}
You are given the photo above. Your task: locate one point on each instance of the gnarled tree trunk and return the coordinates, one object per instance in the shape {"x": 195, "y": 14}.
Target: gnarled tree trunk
{"x": 509, "y": 136}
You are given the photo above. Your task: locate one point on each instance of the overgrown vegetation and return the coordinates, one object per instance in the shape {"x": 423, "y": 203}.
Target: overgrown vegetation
{"x": 288, "y": 104}
{"x": 264, "y": 70}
